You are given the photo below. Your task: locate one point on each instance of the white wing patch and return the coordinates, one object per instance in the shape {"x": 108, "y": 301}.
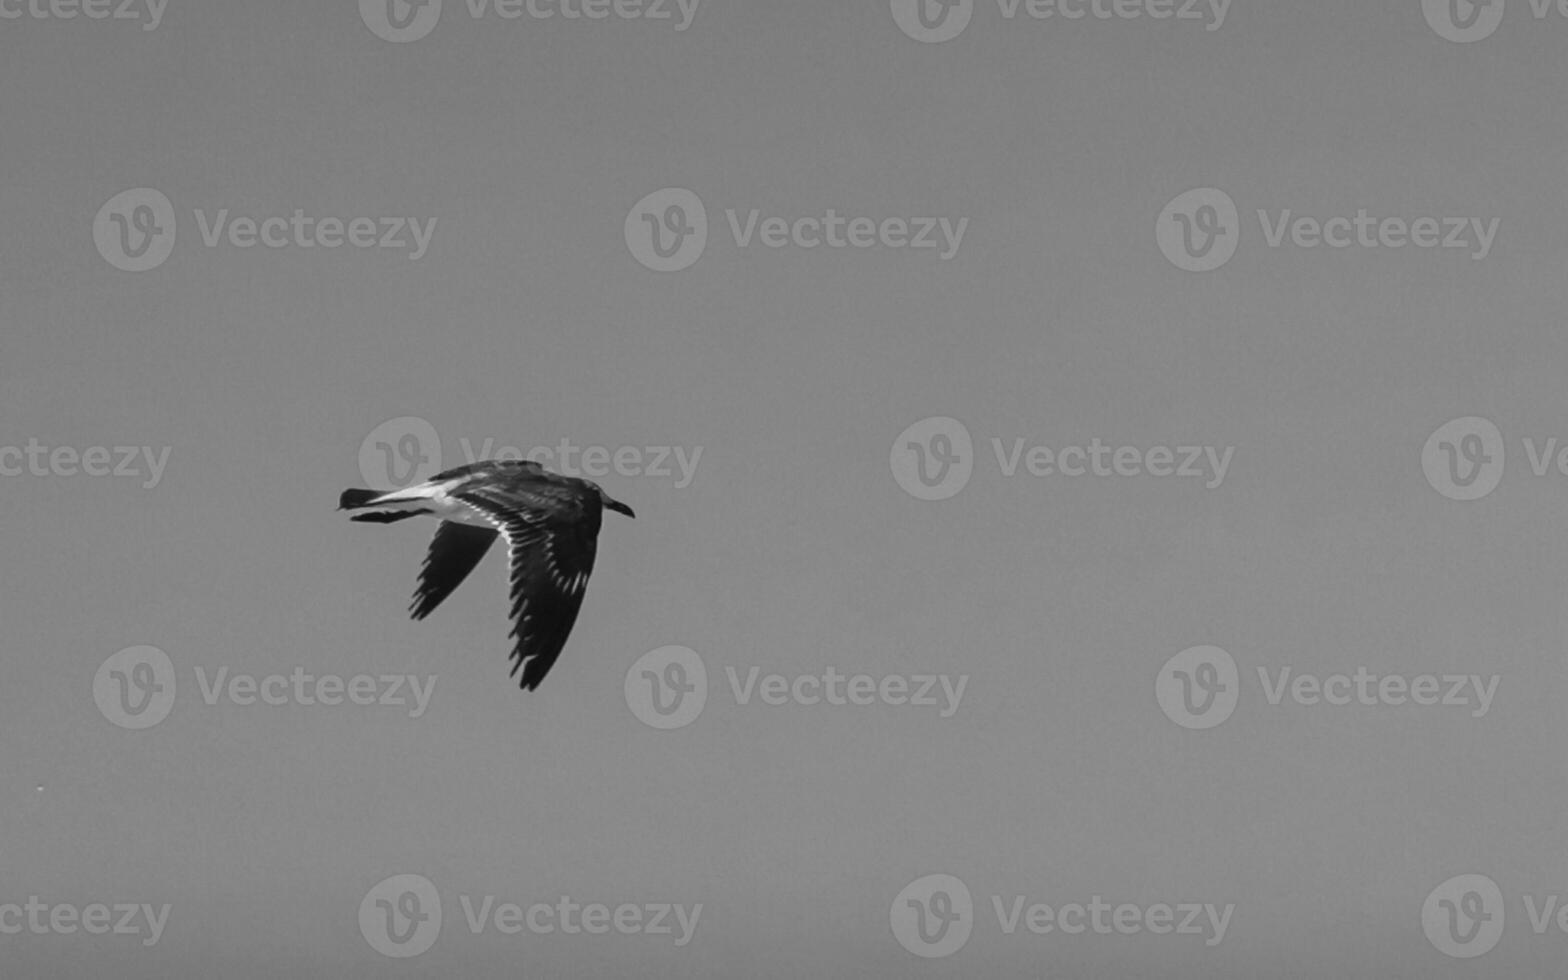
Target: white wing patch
{"x": 419, "y": 491}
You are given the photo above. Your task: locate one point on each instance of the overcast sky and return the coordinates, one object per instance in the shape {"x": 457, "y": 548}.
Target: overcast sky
{"x": 998, "y": 359}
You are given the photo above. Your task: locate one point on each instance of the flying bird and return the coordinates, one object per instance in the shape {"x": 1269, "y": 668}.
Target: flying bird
{"x": 551, "y": 526}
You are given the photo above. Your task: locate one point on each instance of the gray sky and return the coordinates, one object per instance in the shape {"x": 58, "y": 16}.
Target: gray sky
{"x": 1054, "y": 777}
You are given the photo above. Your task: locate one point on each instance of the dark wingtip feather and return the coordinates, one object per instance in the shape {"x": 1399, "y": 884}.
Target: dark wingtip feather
{"x": 454, "y": 552}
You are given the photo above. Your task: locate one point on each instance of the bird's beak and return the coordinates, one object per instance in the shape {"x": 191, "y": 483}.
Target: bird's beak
{"x": 618, "y": 507}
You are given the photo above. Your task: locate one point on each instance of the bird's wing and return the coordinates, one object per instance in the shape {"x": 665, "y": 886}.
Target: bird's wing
{"x": 552, "y": 542}
{"x": 454, "y": 552}
{"x": 488, "y": 467}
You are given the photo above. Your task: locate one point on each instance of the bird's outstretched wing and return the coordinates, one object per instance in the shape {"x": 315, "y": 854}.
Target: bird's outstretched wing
{"x": 553, "y": 536}
{"x": 454, "y": 552}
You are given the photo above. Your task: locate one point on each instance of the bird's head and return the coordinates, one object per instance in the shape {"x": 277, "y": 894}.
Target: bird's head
{"x": 611, "y": 503}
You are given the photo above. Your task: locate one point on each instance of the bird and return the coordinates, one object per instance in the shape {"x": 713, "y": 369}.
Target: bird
{"x": 551, "y": 526}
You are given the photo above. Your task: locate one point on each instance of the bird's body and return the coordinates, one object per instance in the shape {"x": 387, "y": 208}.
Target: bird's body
{"x": 551, "y": 526}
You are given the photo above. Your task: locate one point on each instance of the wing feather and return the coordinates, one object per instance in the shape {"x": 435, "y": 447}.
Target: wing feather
{"x": 454, "y": 552}
{"x": 552, "y": 539}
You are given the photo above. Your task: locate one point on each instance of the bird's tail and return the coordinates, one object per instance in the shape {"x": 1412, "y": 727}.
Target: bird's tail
{"x": 354, "y": 498}
{"x": 388, "y": 516}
